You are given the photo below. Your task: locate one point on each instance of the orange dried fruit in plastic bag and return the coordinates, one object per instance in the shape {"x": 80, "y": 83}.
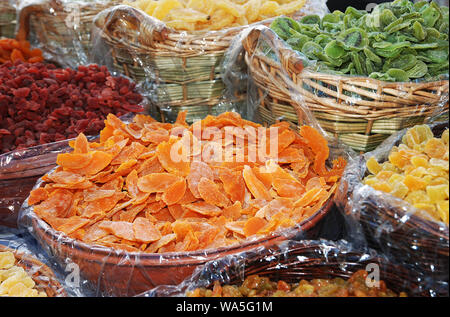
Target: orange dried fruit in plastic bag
{"x": 175, "y": 192}
{"x": 156, "y": 182}
{"x": 210, "y": 193}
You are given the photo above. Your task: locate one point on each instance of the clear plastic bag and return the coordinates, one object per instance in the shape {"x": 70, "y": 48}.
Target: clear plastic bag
{"x": 47, "y": 276}
{"x": 293, "y": 261}
{"x": 180, "y": 70}
{"x": 360, "y": 111}
{"x": 60, "y": 28}
{"x": 391, "y": 225}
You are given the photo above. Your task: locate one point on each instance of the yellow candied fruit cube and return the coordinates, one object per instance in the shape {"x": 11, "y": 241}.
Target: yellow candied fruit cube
{"x": 414, "y": 183}
{"x": 417, "y": 135}
{"x": 7, "y": 260}
{"x": 399, "y": 190}
{"x": 418, "y": 172}
{"x": 395, "y": 178}
{"x": 419, "y": 161}
{"x": 382, "y": 186}
{"x": 398, "y": 159}
{"x": 436, "y": 172}
{"x": 439, "y": 163}
{"x": 384, "y": 175}
{"x": 386, "y": 166}
{"x": 438, "y": 181}
{"x": 435, "y": 148}
{"x": 429, "y": 208}
{"x": 18, "y": 290}
{"x": 437, "y": 192}
{"x": 373, "y": 166}
{"x": 11, "y": 281}
{"x": 445, "y": 136}
{"x": 370, "y": 180}
{"x": 442, "y": 208}
{"x": 417, "y": 196}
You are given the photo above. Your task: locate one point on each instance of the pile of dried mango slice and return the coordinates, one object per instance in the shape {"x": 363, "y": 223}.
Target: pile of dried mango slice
{"x": 158, "y": 187}
{"x": 417, "y": 171}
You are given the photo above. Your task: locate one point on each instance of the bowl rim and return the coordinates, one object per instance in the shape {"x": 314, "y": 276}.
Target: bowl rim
{"x": 43, "y": 229}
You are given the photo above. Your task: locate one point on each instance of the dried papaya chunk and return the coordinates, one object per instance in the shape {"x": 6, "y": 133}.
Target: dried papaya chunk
{"x": 318, "y": 145}
{"x": 211, "y": 194}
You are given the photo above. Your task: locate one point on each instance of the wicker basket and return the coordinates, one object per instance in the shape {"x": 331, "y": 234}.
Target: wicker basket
{"x": 61, "y": 28}
{"x": 41, "y": 274}
{"x": 184, "y": 66}
{"x": 392, "y": 227}
{"x": 7, "y": 20}
{"x": 293, "y": 261}
{"x": 360, "y": 111}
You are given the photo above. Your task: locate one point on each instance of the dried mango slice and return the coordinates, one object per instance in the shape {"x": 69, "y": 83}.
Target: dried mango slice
{"x": 233, "y": 184}
{"x": 318, "y": 145}
{"x": 256, "y": 187}
{"x": 145, "y": 231}
{"x": 175, "y": 192}
{"x": 198, "y": 171}
{"x": 37, "y": 195}
{"x": 173, "y": 158}
{"x": 253, "y": 226}
{"x": 157, "y": 182}
{"x": 57, "y": 203}
{"x": 211, "y": 194}
{"x": 204, "y": 208}
{"x": 120, "y": 229}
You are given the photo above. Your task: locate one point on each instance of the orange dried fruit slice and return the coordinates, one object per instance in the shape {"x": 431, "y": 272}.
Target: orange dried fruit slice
{"x": 101, "y": 206}
{"x": 318, "y": 145}
{"x": 234, "y": 211}
{"x": 233, "y": 184}
{"x": 198, "y": 171}
{"x": 57, "y": 204}
{"x": 70, "y": 225}
{"x": 176, "y": 211}
{"x": 130, "y": 214}
{"x": 253, "y": 226}
{"x": 211, "y": 194}
{"x": 255, "y": 186}
{"x": 99, "y": 161}
{"x": 73, "y": 160}
{"x": 145, "y": 231}
{"x": 65, "y": 177}
{"x": 204, "y": 208}
{"x": 136, "y": 194}
{"x": 435, "y": 148}
{"x": 150, "y": 166}
{"x": 165, "y": 240}
{"x": 156, "y": 182}
{"x": 164, "y": 215}
{"x": 37, "y": 195}
{"x": 120, "y": 229}
{"x": 175, "y": 192}
{"x": 288, "y": 188}
{"x": 128, "y": 153}
{"x": 173, "y": 157}
{"x": 81, "y": 144}
{"x": 95, "y": 194}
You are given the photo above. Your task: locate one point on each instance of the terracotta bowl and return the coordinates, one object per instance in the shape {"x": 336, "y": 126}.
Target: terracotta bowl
{"x": 119, "y": 273}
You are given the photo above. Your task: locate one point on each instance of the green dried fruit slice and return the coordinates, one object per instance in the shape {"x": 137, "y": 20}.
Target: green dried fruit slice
{"x": 418, "y": 70}
{"x": 354, "y": 38}
{"x": 334, "y": 49}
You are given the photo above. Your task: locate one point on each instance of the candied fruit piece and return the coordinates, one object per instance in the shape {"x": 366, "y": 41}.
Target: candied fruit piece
{"x": 414, "y": 183}
{"x": 373, "y": 166}
{"x": 437, "y": 192}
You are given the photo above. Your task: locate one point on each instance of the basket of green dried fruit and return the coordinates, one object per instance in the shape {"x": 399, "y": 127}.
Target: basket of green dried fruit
{"x": 364, "y": 75}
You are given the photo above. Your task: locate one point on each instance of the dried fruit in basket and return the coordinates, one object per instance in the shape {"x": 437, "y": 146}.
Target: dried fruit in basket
{"x": 12, "y": 50}
{"x": 417, "y": 172}
{"x": 40, "y": 103}
{"x": 398, "y": 41}
{"x": 215, "y": 183}
{"x": 259, "y": 286}
{"x": 193, "y": 15}
{"x": 14, "y": 280}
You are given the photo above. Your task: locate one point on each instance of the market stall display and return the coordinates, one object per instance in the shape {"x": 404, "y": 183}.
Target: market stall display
{"x": 309, "y": 263}
{"x": 134, "y": 191}
{"x": 410, "y": 225}
{"x": 181, "y": 69}
{"x": 21, "y": 275}
{"x": 61, "y": 28}
{"x": 364, "y": 75}
{"x": 194, "y": 148}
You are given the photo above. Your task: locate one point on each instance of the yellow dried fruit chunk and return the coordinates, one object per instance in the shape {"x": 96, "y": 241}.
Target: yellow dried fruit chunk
{"x": 419, "y": 161}
{"x": 417, "y": 196}
{"x": 400, "y": 190}
{"x": 417, "y": 135}
{"x": 373, "y": 166}
{"x": 435, "y": 148}
{"x": 437, "y": 192}
{"x": 7, "y": 260}
{"x": 445, "y": 136}
{"x": 442, "y": 208}
{"x": 382, "y": 186}
{"x": 414, "y": 183}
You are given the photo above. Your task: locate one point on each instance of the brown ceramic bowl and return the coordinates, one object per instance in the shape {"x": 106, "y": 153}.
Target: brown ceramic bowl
{"x": 119, "y": 273}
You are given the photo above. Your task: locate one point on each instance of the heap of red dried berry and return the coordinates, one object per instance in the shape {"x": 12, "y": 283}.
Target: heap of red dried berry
{"x": 40, "y": 103}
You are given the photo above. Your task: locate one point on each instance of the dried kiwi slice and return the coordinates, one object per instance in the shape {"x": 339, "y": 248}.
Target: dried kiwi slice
{"x": 354, "y": 38}
{"x": 335, "y": 49}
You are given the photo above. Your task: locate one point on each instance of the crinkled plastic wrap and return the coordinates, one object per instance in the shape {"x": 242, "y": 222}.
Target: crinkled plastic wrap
{"x": 48, "y": 276}
{"x": 180, "y": 70}
{"x": 60, "y": 28}
{"x": 391, "y": 225}
{"x": 360, "y": 111}
{"x": 292, "y": 261}
{"x": 112, "y": 272}
{"x": 7, "y": 18}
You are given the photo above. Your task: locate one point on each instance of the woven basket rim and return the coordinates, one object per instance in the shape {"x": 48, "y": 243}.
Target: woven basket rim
{"x": 291, "y": 56}
{"x": 50, "y": 284}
